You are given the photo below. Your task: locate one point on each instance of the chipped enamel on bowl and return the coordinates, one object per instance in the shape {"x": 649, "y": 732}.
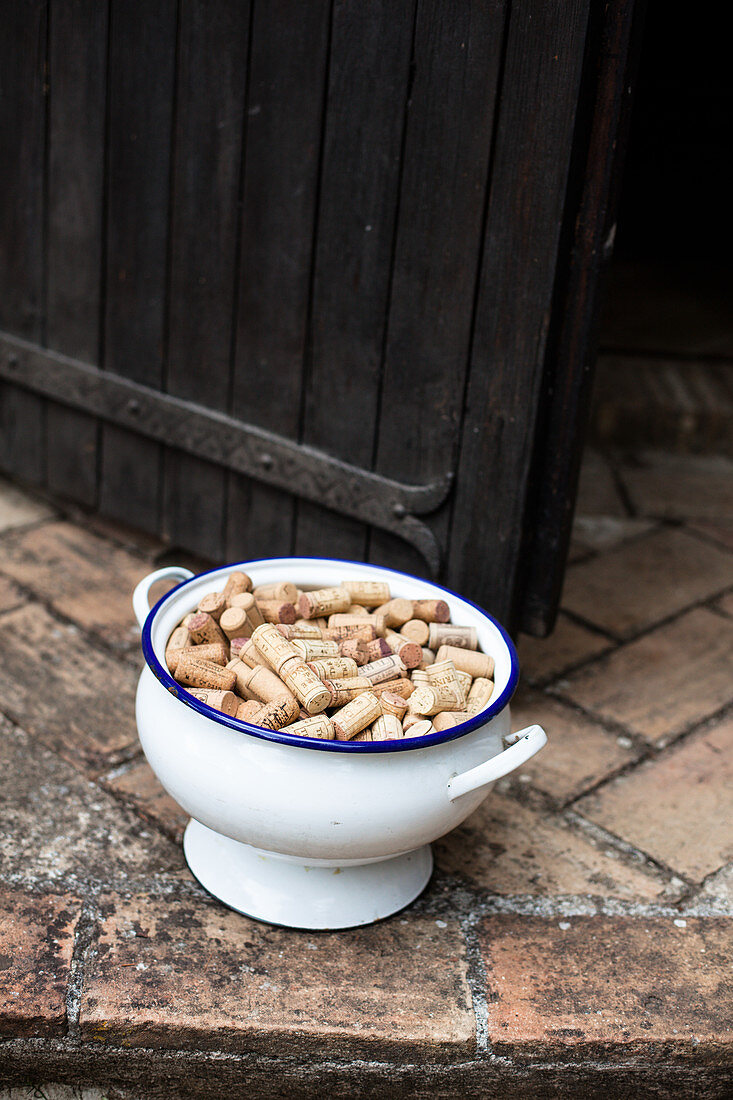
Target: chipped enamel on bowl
{"x": 308, "y": 833}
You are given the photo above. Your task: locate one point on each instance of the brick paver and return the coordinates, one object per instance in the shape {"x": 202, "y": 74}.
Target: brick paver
{"x": 10, "y": 595}
{"x": 644, "y": 581}
{"x": 609, "y": 986}
{"x": 81, "y": 575}
{"x": 57, "y": 827}
{"x": 598, "y": 494}
{"x": 79, "y": 700}
{"x": 662, "y": 683}
{"x": 197, "y": 975}
{"x": 36, "y": 945}
{"x": 579, "y": 753}
{"x": 509, "y": 848}
{"x": 571, "y": 644}
{"x": 138, "y": 786}
{"x": 680, "y": 486}
{"x": 178, "y": 990}
{"x": 678, "y": 807}
{"x": 18, "y": 509}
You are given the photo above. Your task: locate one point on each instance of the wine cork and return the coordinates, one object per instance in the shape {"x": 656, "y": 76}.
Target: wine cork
{"x": 356, "y": 716}
{"x": 237, "y": 645}
{"x": 409, "y": 652}
{"x": 387, "y": 728}
{"x": 262, "y": 683}
{"x": 415, "y": 630}
{"x": 411, "y": 720}
{"x": 213, "y": 603}
{"x": 300, "y": 629}
{"x": 310, "y": 650}
{"x": 279, "y": 713}
{"x": 234, "y": 622}
{"x": 306, "y": 687}
{"x": 477, "y": 664}
{"x": 354, "y": 649}
{"x": 392, "y": 703}
{"x": 479, "y": 696}
{"x": 225, "y": 701}
{"x": 465, "y": 680}
{"x": 273, "y": 647}
{"x": 215, "y": 652}
{"x": 204, "y": 674}
{"x": 179, "y": 639}
{"x": 319, "y": 726}
{"x": 444, "y": 682}
{"x": 428, "y": 658}
{"x": 321, "y": 622}
{"x": 367, "y": 593}
{"x": 246, "y": 601}
{"x": 324, "y": 601}
{"x": 423, "y": 701}
{"x": 403, "y": 687}
{"x": 344, "y": 690}
{"x": 363, "y": 632}
{"x": 447, "y": 719}
{"x": 431, "y": 611}
{"x": 276, "y": 611}
{"x": 377, "y": 649}
{"x": 203, "y": 628}
{"x": 345, "y": 618}
{"x": 333, "y": 668}
{"x": 283, "y": 591}
{"x": 421, "y": 728}
{"x": 365, "y": 735}
{"x": 420, "y": 676}
{"x": 251, "y": 655}
{"x": 248, "y": 710}
{"x": 185, "y": 621}
{"x": 356, "y": 609}
{"x": 396, "y": 613}
{"x": 386, "y": 668}
{"x": 464, "y": 637}
{"x": 237, "y": 582}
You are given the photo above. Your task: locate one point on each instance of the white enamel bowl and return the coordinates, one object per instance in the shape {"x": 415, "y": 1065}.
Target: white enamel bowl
{"x": 309, "y": 833}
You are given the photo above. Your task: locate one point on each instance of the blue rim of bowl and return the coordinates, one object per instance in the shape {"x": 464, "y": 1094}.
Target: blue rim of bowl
{"x": 282, "y": 738}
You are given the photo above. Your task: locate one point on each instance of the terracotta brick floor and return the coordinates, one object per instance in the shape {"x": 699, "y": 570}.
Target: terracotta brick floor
{"x": 574, "y": 941}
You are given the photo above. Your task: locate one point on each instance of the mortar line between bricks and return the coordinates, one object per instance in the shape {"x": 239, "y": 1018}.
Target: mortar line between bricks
{"x": 621, "y": 642}
{"x": 578, "y": 823}
{"x": 703, "y": 536}
{"x": 66, "y": 620}
{"x": 84, "y": 936}
{"x": 477, "y": 979}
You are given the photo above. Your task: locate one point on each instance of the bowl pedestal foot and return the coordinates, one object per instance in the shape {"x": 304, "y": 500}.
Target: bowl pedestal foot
{"x": 275, "y": 889}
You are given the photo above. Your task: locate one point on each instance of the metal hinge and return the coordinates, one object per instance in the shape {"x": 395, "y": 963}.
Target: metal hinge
{"x": 244, "y": 448}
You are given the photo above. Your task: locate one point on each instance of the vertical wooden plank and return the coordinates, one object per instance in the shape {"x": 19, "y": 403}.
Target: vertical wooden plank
{"x": 288, "y": 62}
{"x": 605, "y": 97}
{"x": 533, "y": 147}
{"x": 140, "y": 89}
{"x": 77, "y": 86}
{"x": 367, "y": 95}
{"x": 211, "y": 86}
{"x": 23, "y": 129}
{"x": 447, "y": 148}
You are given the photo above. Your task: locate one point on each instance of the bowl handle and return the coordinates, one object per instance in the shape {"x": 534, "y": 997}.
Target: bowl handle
{"x": 140, "y": 604}
{"x": 526, "y": 743}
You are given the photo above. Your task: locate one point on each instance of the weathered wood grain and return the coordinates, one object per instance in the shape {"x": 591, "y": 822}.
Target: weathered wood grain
{"x": 289, "y": 56}
{"x": 141, "y": 82}
{"x": 210, "y": 100}
{"x": 371, "y": 47}
{"x": 77, "y": 74}
{"x": 23, "y": 43}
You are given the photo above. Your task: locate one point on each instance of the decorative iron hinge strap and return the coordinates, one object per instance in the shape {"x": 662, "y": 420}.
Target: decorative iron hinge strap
{"x": 244, "y": 448}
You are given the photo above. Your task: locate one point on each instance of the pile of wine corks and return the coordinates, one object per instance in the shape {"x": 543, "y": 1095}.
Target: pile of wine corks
{"x": 347, "y": 662}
